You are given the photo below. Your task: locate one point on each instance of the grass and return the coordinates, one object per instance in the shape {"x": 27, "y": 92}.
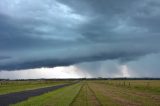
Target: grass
{"x": 111, "y": 94}
{"x": 85, "y": 97}
{"x": 61, "y": 97}
{"x": 142, "y": 85}
{"x": 101, "y": 93}
{"x": 16, "y": 86}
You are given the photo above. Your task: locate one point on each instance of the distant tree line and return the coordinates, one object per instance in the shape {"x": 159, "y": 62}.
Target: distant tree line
{"x": 99, "y": 78}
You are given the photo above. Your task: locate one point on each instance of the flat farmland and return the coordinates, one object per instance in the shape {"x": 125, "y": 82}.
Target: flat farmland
{"x": 17, "y": 86}
{"x": 127, "y": 93}
{"x": 100, "y": 93}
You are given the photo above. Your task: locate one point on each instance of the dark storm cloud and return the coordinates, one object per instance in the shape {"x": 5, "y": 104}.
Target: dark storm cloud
{"x": 59, "y": 33}
{"x": 4, "y": 57}
{"x": 78, "y": 56}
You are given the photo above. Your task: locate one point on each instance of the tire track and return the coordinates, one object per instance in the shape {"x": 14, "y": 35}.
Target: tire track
{"x": 76, "y": 95}
{"x": 86, "y": 97}
{"x": 100, "y": 104}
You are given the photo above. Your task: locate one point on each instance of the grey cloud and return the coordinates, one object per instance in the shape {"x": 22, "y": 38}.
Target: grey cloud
{"x": 4, "y": 57}
{"x": 147, "y": 66}
{"x": 74, "y": 56}
{"x": 60, "y": 33}
{"x": 109, "y": 68}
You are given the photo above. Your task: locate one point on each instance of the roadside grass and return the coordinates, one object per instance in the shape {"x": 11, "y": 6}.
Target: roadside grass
{"x": 85, "y": 97}
{"x": 61, "y": 97}
{"x": 16, "y": 86}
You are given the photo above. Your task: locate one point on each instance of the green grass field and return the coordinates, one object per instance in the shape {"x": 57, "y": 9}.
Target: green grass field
{"x": 60, "y": 97}
{"x": 101, "y": 93}
{"x": 16, "y": 86}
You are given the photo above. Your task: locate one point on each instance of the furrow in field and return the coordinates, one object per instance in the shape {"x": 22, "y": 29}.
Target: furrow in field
{"x": 85, "y": 97}
{"x": 138, "y": 94}
{"x": 155, "y": 97}
{"x": 120, "y": 95}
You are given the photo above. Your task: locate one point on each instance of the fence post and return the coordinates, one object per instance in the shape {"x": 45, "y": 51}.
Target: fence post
{"x": 124, "y": 83}
{"x": 148, "y": 84}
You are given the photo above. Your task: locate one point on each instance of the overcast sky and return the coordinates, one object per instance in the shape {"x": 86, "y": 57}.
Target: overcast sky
{"x": 107, "y": 38}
